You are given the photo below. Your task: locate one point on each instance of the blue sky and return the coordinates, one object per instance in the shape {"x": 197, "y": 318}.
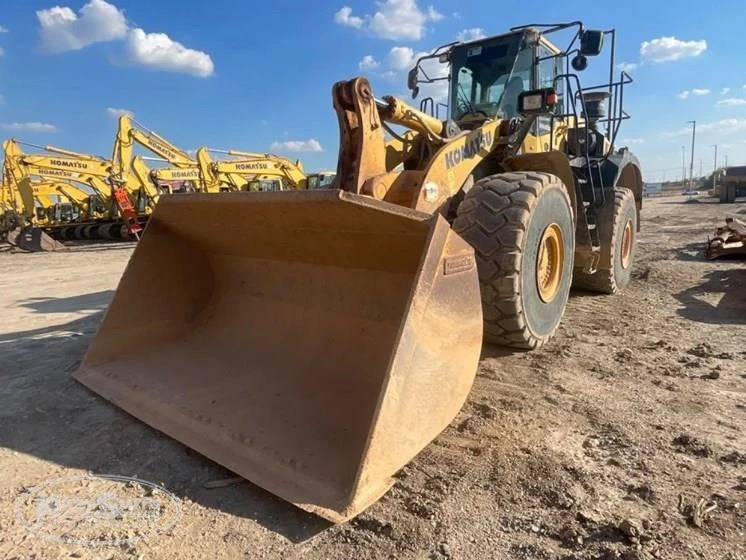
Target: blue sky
{"x": 257, "y": 76}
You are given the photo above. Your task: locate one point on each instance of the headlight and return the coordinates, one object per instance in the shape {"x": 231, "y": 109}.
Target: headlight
{"x": 532, "y": 102}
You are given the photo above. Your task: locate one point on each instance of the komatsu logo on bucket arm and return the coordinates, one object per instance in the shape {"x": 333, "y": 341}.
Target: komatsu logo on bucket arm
{"x": 69, "y": 164}
{"x": 250, "y": 166}
{"x": 469, "y": 149}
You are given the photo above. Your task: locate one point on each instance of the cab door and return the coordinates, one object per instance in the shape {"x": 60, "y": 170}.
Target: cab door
{"x": 548, "y": 65}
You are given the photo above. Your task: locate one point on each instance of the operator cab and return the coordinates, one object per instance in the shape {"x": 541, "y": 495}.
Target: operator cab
{"x": 265, "y": 184}
{"x": 489, "y": 74}
{"x": 323, "y": 180}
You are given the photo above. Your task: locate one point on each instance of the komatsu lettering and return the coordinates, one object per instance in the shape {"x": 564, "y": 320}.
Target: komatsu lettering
{"x": 162, "y": 149}
{"x": 184, "y": 174}
{"x": 251, "y": 166}
{"x": 68, "y": 164}
{"x": 57, "y": 173}
{"x": 471, "y": 147}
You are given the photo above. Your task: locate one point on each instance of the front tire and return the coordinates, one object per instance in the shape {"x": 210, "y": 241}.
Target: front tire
{"x": 522, "y": 230}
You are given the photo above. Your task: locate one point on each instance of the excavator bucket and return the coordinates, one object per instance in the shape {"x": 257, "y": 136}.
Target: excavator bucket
{"x": 313, "y": 342}
{"x": 34, "y": 240}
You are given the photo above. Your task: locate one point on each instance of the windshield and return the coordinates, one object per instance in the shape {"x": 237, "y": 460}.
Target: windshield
{"x": 489, "y": 77}
{"x": 320, "y": 180}
{"x": 265, "y": 185}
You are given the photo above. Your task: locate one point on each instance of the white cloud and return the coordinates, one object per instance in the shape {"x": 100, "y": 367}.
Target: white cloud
{"x": 631, "y": 141}
{"x": 28, "y": 126}
{"x": 433, "y": 14}
{"x": 402, "y": 58}
{"x": 394, "y": 19}
{"x": 725, "y": 125}
{"x": 667, "y": 49}
{"x": 627, "y": 66}
{"x": 722, "y": 126}
{"x": 368, "y": 63}
{"x": 63, "y": 30}
{"x": 724, "y": 91}
{"x": 344, "y": 17}
{"x": 158, "y": 51}
{"x": 309, "y": 145}
{"x": 695, "y": 91}
{"x": 116, "y": 113}
{"x": 3, "y": 29}
{"x": 471, "y": 34}
{"x": 731, "y": 102}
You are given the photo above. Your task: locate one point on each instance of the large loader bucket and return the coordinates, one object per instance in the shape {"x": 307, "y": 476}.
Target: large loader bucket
{"x": 311, "y": 341}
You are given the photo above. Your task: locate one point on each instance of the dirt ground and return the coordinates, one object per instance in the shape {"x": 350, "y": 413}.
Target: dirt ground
{"x": 623, "y": 438}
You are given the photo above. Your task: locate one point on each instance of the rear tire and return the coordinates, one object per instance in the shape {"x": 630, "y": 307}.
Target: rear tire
{"x": 522, "y": 230}
{"x": 617, "y": 228}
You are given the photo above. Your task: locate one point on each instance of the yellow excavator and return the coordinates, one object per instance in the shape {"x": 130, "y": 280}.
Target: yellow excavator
{"x": 325, "y": 337}
{"x": 42, "y": 201}
{"x": 128, "y": 168}
{"x": 245, "y": 171}
{"x": 10, "y": 207}
{"x": 258, "y": 172}
{"x": 97, "y": 213}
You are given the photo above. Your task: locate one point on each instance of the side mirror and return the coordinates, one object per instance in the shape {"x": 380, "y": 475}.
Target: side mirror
{"x": 415, "y": 92}
{"x": 591, "y": 42}
{"x": 537, "y": 102}
{"x": 412, "y": 78}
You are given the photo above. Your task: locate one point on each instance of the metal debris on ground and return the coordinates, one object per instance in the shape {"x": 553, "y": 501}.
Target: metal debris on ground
{"x": 224, "y": 483}
{"x": 728, "y": 240}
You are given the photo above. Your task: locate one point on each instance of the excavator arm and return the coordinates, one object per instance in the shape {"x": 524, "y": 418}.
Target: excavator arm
{"x": 128, "y": 135}
{"x": 78, "y": 166}
{"x": 249, "y": 165}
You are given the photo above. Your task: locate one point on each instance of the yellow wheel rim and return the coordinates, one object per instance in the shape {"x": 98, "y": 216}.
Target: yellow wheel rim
{"x": 550, "y": 262}
{"x": 628, "y": 238}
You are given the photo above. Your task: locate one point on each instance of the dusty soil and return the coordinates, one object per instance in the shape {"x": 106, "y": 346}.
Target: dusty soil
{"x": 623, "y": 438}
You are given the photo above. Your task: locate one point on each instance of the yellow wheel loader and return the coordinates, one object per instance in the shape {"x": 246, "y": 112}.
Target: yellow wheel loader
{"x": 315, "y": 341}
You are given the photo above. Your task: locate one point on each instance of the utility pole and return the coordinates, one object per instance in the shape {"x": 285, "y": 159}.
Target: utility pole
{"x": 683, "y": 164}
{"x": 726, "y": 160}
{"x": 691, "y": 161}
{"x": 715, "y": 169}
{"x": 700, "y": 167}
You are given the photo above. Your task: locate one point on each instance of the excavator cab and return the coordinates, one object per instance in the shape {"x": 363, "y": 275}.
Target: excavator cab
{"x": 321, "y": 338}
{"x": 323, "y": 180}
{"x": 265, "y": 184}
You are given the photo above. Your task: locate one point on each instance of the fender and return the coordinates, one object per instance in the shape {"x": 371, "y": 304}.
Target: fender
{"x": 622, "y": 169}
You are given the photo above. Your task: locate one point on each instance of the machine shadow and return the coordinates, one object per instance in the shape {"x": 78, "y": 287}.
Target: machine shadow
{"x": 693, "y": 252}
{"x": 730, "y": 309}
{"x": 86, "y": 302}
{"x": 45, "y": 413}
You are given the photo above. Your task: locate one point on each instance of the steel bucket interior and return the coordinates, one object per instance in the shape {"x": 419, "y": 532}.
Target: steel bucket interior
{"x": 312, "y": 342}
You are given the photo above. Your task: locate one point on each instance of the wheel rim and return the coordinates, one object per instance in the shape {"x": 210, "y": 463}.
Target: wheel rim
{"x": 550, "y": 262}
{"x": 627, "y": 239}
